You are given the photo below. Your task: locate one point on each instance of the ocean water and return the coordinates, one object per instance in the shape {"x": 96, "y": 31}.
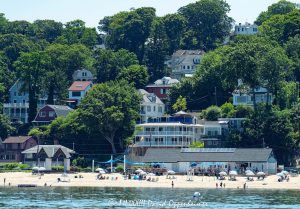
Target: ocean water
{"x": 84, "y": 197}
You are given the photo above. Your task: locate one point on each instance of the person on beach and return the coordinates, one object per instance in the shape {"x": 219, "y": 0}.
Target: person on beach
{"x": 245, "y": 185}
{"x": 172, "y": 184}
{"x": 217, "y": 185}
{"x": 4, "y": 180}
{"x": 224, "y": 185}
{"x": 221, "y": 184}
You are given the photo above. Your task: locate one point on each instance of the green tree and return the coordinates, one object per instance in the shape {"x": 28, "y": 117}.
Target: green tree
{"x": 279, "y": 8}
{"x": 135, "y": 74}
{"x": 292, "y": 48}
{"x": 128, "y": 30}
{"x": 47, "y": 29}
{"x": 5, "y": 127}
{"x": 110, "y": 110}
{"x": 226, "y": 108}
{"x": 197, "y": 145}
{"x": 282, "y": 27}
{"x": 212, "y": 113}
{"x": 208, "y": 21}
{"x": 156, "y": 50}
{"x": 174, "y": 25}
{"x": 31, "y": 69}
{"x": 180, "y": 104}
{"x": 109, "y": 63}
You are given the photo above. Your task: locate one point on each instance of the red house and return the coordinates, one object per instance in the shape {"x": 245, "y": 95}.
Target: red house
{"x": 12, "y": 147}
{"x": 161, "y": 87}
{"x": 49, "y": 112}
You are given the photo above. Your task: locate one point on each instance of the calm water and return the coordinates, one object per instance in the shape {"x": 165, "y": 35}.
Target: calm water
{"x": 157, "y": 198}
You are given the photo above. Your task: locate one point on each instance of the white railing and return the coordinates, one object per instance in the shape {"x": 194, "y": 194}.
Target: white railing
{"x": 16, "y": 105}
{"x": 161, "y": 144}
{"x": 165, "y": 133}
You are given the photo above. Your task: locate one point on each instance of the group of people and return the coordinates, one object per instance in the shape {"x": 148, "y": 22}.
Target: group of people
{"x": 222, "y": 185}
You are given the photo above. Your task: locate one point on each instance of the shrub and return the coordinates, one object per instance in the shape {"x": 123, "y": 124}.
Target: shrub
{"x": 58, "y": 168}
{"x": 88, "y": 169}
{"x": 120, "y": 169}
{"x": 212, "y": 113}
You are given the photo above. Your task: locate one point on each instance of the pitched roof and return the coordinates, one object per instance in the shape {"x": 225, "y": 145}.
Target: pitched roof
{"x": 16, "y": 139}
{"x": 79, "y": 85}
{"x": 61, "y": 110}
{"x": 150, "y": 97}
{"x": 50, "y": 150}
{"x": 188, "y": 52}
{"x": 172, "y": 155}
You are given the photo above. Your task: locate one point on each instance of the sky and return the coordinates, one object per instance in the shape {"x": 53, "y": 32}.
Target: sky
{"x": 91, "y": 11}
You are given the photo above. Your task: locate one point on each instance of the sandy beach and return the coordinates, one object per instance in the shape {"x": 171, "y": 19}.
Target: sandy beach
{"x": 89, "y": 180}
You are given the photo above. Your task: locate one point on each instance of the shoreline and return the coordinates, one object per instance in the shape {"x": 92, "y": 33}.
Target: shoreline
{"x": 199, "y": 182}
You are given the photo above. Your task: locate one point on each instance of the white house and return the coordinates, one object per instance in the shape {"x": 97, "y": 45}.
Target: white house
{"x": 245, "y": 29}
{"x": 151, "y": 106}
{"x": 77, "y": 91}
{"x": 179, "y": 130}
{"x": 183, "y": 62}
{"x": 18, "y": 106}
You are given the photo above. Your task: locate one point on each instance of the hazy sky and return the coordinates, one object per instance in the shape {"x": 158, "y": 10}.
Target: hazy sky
{"x": 91, "y": 11}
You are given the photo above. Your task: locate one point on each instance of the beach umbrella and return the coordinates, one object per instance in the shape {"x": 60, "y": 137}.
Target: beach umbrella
{"x": 139, "y": 171}
{"x": 35, "y": 168}
{"x": 102, "y": 172}
{"x": 223, "y": 173}
{"x": 42, "y": 169}
{"x": 247, "y": 171}
{"x": 261, "y": 173}
{"x": 285, "y": 172}
{"x": 170, "y": 172}
{"x": 250, "y": 173}
{"x": 99, "y": 169}
{"x": 280, "y": 174}
{"x": 193, "y": 164}
{"x": 151, "y": 174}
{"x": 143, "y": 173}
{"x": 233, "y": 173}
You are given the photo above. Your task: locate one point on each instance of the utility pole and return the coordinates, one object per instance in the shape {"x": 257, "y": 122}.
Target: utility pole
{"x": 263, "y": 142}
{"x": 73, "y": 146}
{"x": 216, "y": 96}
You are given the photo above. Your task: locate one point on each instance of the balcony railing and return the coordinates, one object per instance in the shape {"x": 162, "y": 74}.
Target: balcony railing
{"x": 16, "y": 105}
{"x": 165, "y": 133}
{"x": 162, "y": 144}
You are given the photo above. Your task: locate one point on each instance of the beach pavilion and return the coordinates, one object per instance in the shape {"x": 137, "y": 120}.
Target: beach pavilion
{"x": 240, "y": 159}
{"x": 48, "y": 156}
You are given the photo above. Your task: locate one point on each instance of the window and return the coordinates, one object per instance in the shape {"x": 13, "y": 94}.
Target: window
{"x": 160, "y": 109}
{"x": 23, "y": 101}
{"x": 242, "y": 29}
{"x": 183, "y": 66}
{"x": 13, "y": 157}
{"x": 163, "y": 91}
{"x": 76, "y": 93}
{"x": 238, "y": 29}
{"x": 15, "y": 93}
{"x": 42, "y": 114}
{"x": 254, "y": 29}
{"x": 51, "y": 114}
{"x": 148, "y": 108}
{"x": 188, "y": 67}
{"x": 241, "y": 99}
{"x": 15, "y": 101}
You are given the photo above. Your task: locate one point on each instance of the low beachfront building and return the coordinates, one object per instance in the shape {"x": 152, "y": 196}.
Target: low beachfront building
{"x": 48, "y": 156}
{"x": 11, "y": 148}
{"x": 209, "y": 159}
{"x": 150, "y": 107}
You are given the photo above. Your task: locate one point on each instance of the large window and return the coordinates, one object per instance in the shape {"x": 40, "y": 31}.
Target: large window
{"x": 51, "y": 114}
{"x": 76, "y": 93}
{"x": 42, "y": 114}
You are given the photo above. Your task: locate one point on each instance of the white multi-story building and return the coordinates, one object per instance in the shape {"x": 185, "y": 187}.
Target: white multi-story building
{"x": 183, "y": 62}
{"x": 151, "y": 106}
{"x": 18, "y": 106}
{"x": 245, "y": 29}
{"x": 180, "y": 130}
